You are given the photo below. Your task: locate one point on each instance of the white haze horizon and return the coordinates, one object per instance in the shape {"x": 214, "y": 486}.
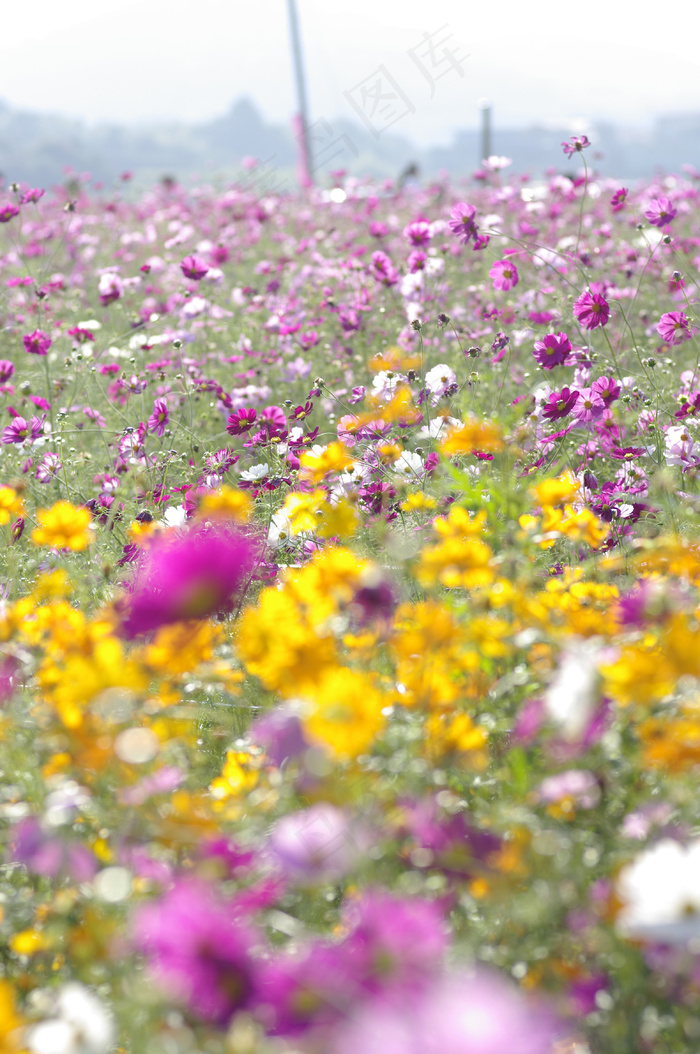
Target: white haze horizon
{"x": 164, "y": 61}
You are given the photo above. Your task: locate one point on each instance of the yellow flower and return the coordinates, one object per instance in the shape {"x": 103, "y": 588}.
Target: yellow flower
{"x": 556, "y": 491}
{"x": 11, "y": 505}
{"x": 417, "y": 500}
{"x": 10, "y": 1021}
{"x": 302, "y": 510}
{"x": 339, "y": 521}
{"x": 346, "y": 713}
{"x": 473, "y": 434}
{"x": 236, "y": 777}
{"x": 395, "y": 359}
{"x": 226, "y": 503}
{"x": 456, "y": 733}
{"x": 456, "y": 563}
{"x": 334, "y": 458}
{"x": 63, "y": 526}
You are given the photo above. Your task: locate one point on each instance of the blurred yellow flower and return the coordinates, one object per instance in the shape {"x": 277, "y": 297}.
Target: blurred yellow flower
{"x": 63, "y": 526}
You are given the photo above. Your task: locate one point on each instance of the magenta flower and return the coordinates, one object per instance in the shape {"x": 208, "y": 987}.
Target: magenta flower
{"x": 589, "y": 407}
{"x": 7, "y": 368}
{"x": 32, "y": 196}
{"x": 20, "y": 430}
{"x": 504, "y": 275}
{"x": 314, "y": 845}
{"x": 552, "y": 350}
{"x": 592, "y": 310}
{"x": 241, "y": 421}
{"x": 416, "y": 261}
{"x": 110, "y": 288}
{"x": 462, "y": 223}
{"x": 37, "y": 343}
{"x": 383, "y": 269}
{"x": 81, "y": 335}
{"x": 190, "y": 576}
{"x": 48, "y": 853}
{"x": 8, "y": 212}
{"x": 607, "y": 388}
{"x": 194, "y": 267}
{"x": 461, "y": 1013}
{"x": 619, "y": 199}
{"x": 198, "y": 947}
{"x": 660, "y": 212}
{"x": 418, "y": 233}
{"x": 159, "y": 419}
{"x": 575, "y": 144}
{"x": 674, "y": 327}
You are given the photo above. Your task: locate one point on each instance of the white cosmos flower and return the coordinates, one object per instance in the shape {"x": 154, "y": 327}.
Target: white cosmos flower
{"x": 660, "y": 891}
{"x": 81, "y": 1025}
{"x": 256, "y": 472}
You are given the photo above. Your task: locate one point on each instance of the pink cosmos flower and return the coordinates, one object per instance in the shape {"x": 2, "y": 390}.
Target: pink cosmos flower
{"x": 241, "y": 421}
{"x": 37, "y": 343}
{"x": 32, "y": 195}
{"x": 158, "y": 420}
{"x": 7, "y": 368}
{"x": 110, "y": 288}
{"x": 674, "y": 327}
{"x": 462, "y": 222}
{"x": 560, "y": 404}
{"x": 383, "y": 269}
{"x": 592, "y": 310}
{"x": 194, "y": 267}
{"x": 199, "y": 947}
{"x": 607, "y": 388}
{"x": 619, "y": 199}
{"x": 660, "y": 212}
{"x": 552, "y": 350}
{"x": 8, "y": 212}
{"x": 575, "y": 144}
{"x": 504, "y": 275}
{"x": 190, "y": 576}
{"x": 590, "y": 406}
{"x": 20, "y": 430}
{"x": 416, "y": 261}
{"x": 418, "y": 233}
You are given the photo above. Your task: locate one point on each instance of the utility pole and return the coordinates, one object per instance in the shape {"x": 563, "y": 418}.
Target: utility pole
{"x": 306, "y": 173}
{"x": 485, "y": 107}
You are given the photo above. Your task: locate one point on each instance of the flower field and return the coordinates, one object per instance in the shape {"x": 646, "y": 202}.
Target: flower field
{"x": 349, "y": 631}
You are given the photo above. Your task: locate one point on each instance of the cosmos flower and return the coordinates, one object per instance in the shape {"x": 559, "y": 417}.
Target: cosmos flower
{"x": 191, "y": 576}
{"x": 592, "y": 310}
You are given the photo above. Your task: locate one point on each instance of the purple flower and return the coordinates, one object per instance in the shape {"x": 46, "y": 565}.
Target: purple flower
{"x": 383, "y": 269}
{"x": 418, "y": 233}
{"x": 607, "y": 388}
{"x": 110, "y": 288}
{"x": 8, "y": 212}
{"x": 416, "y": 261}
{"x": 49, "y": 468}
{"x": 589, "y": 407}
{"x": 280, "y": 734}
{"x": 7, "y": 368}
{"x": 50, "y": 854}
{"x": 504, "y": 275}
{"x": 674, "y": 327}
{"x": 192, "y": 576}
{"x": 619, "y": 199}
{"x": 159, "y": 419}
{"x": 198, "y": 947}
{"x": 575, "y": 144}
{"x": 462, "y": 224}
{"x": 314, "y": 845}
{"x": 37, "y": 343}
{"x": 462, "y": 1013}
{"x": 660, "y": 212}
{"x": 241, "y": 421}
{"x": 552, "y": 350}
{"x": 592, "y": 310}
{"x": 194, "y": 267}
{"x": 32, "y": 195}
{"x": 20, "y": 430}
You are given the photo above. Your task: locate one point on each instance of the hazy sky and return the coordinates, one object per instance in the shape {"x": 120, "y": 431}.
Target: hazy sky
{"x": 540, "y": 61}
